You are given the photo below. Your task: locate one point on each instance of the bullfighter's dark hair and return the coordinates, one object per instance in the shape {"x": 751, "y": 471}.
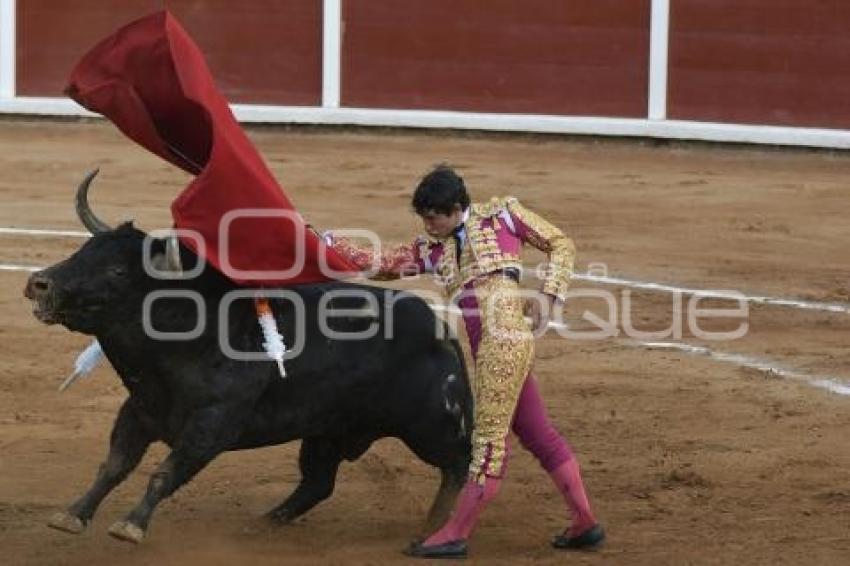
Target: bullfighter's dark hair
{"x": 439, "y": 191}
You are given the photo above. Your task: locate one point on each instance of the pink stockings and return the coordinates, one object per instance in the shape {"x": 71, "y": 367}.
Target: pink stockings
{"x": 568, "y": 481}
{"x": 471, "y": 501}
{"x": 537, "y": 435}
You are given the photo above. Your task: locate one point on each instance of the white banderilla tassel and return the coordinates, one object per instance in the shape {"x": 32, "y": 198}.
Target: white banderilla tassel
{"x": 274, "y": 345}
{"x": 86, "y": 362}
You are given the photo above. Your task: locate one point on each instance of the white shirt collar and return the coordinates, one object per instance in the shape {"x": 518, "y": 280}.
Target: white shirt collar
{"x": 464, "y": 218}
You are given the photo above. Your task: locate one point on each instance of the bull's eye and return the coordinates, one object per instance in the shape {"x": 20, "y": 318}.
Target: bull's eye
{"x": 118, "y": 271}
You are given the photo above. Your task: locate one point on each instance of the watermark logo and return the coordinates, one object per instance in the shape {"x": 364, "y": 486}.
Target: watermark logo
{"x": 361, "y": 314}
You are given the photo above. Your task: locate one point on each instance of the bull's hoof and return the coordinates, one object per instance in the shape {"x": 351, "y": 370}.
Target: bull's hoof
{"x": 65, "y": 522}
{"x": 127, "y": 531}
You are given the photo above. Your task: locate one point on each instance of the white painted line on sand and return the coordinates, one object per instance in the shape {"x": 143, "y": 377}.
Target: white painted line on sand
{"x": 44, "y": 232}
{"x": 13, "y": 267}
{"x": 769, "y": 367}
{"x": 843, "y": 308}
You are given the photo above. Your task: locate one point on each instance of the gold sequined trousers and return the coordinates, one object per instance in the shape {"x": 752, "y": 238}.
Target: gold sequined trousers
{"x": 502, "y": 345}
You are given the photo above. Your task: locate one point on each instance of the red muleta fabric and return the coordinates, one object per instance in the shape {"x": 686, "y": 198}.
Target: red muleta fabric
{"x": 150, "y": 79}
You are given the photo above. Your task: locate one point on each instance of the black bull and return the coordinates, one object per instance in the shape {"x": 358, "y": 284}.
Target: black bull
{"x": 338, "y": 397}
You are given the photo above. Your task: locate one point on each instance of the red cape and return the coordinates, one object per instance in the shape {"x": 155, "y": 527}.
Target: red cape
{"x": 151, "y": 80}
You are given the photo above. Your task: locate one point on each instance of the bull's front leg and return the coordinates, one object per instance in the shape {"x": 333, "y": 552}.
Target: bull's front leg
{"x": 208, "y": 433}
{"x": 128, "y": 443}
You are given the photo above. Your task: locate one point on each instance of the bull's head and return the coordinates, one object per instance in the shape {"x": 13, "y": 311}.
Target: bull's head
{"x": 102, "y": 280}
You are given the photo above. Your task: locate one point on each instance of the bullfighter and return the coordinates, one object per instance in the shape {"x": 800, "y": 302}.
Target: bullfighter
{"x": 474, "y": 250}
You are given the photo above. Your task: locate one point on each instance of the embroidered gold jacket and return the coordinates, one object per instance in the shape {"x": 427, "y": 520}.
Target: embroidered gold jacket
{"x": 495, "y": 234}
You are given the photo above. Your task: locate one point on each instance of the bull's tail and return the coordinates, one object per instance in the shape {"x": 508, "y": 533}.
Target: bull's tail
{"x": 451, "y": 341}
{"x": 458, "y": 392}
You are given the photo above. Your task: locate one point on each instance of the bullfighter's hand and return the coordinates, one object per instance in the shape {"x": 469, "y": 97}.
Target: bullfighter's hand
{"x": 539, "y": 309}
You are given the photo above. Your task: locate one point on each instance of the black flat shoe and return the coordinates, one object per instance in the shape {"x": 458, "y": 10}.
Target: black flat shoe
{"x": 588, "y": 540}
{"x": 452, "y": 549}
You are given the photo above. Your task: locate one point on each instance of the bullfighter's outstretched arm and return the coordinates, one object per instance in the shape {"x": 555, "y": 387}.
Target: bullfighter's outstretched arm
{"x": 383, "y": 263}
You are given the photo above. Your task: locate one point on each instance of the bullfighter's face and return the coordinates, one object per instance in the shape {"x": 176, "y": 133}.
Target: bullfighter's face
{"x": 440, "y": 225}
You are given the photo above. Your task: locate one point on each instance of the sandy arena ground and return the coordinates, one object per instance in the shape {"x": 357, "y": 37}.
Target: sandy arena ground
{"x": 687, "y": 460}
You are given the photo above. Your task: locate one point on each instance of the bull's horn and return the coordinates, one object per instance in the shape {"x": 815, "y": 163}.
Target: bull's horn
{"x": 94, "y": 224}
{"x": 172, "y": 255}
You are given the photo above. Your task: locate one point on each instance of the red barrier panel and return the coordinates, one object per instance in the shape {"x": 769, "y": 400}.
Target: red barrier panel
{"x": 263, "y": 51}
{"x": 583, "y": 57}
{"x": 781, "y": 62}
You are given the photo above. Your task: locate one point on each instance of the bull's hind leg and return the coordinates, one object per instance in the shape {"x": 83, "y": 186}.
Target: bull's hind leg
{"x": 319, "y": 461}
{"x": 128, "y": 443}
{"x": 450, "y": 485}
{"x": 451, "y": 456}
{"x": 439, "y": 430}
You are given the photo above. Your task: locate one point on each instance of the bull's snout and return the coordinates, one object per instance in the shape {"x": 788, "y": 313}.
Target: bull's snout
{"x": 41, "y": 291}
{"x": 38, "y": 285}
